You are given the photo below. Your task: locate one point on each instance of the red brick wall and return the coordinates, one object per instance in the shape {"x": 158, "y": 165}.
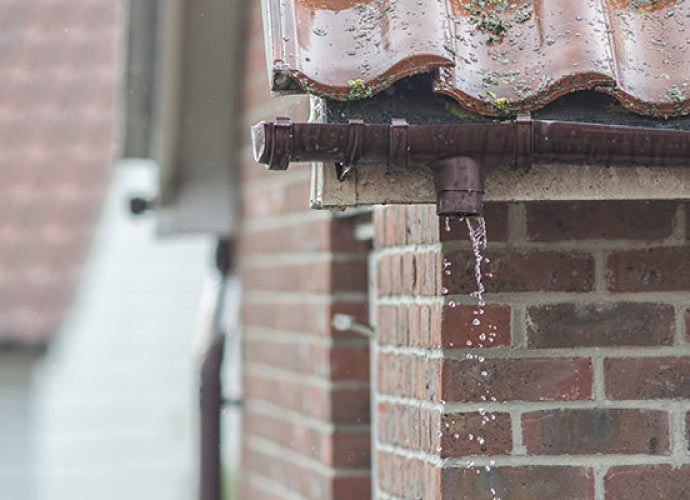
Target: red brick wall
{"x": 306, "y": 387}
{"x": 590, "y": 366}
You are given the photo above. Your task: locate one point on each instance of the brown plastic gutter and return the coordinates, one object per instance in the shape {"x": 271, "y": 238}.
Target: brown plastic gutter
{"x": 459, "y": 155}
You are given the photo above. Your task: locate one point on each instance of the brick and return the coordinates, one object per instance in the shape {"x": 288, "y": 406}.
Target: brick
{"x": 647, "y": 482}
{"x": 652, "y": 270}
{"x": 332, "y": 362}
{"x": 351, "y": 487}
{"x": 446, "y": 435}
{"x": 407, "y": 376}
{"x": 424, "y": 324}
{"x": 602, "y": 325}
{"x": 496, "y": 216}
{"x": 647, "y": 378}
{"x": 403, "y": 477}
{"x": 394, "y": 229}
{"x": 399, "y": 425}
{"x": 596, "y": 431}
{"x": 422, "y": 224}
{"x": 408, "y": 274}
{"x": 304, "y": 480}
{"x": 518, "y": 483}
{"x": 397, "y": 273}
{"x": 318, "y": 235}
{"x": 349, "y": 362}
{"x": 394, "y": 324}
{"x": 384, "y": 285}
{"x": 457, "y": 427}
{"x": 396, "y": 226}
{"x": 261, "y": 201}
{"x": 342, "y": 404}
{"x": 339, "y": 448}
{"x": 427, "y": 272}
{"x": 458, "y": 326}
{"x": 302, "y": 317}
{"x": 250, "y": 488}
{"x": 528, "y": 379}
{"x": 314, "y": 277}
{"x": 408, "y": 324}
{"x": 378, "y": 219}
{"x": 626, "y": 220}
{"x": 521, "y": 271}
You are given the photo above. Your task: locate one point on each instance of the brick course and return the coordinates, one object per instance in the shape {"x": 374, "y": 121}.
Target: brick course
{"x": 585, "y": 392}
{"x": 590, "y": 432}
{"x": 306, "y": 386}
{"x": 646, "y": 482}
{"x": 616, "y": 324}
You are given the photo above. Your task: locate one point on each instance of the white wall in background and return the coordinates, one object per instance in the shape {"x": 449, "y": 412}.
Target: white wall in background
{"x": 113, "y": 404}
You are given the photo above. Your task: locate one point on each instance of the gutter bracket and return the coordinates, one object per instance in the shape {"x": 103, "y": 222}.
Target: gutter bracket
{"x": 398, "y": 146}
{"x": 524, "y": 141}
{"x": 355, "y": 134}
{"x": 282, "y": 144}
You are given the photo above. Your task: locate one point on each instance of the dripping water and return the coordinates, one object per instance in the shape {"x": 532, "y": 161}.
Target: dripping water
{"x": 476, "y": 227}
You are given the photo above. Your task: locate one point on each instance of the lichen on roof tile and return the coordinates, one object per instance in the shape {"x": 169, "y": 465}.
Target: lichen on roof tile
{"x": 351, "y": 49}
{"x": 493, "y": 56}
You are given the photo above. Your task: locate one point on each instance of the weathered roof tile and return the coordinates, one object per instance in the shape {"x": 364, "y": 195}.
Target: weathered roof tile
{"x": 492, "y": 56}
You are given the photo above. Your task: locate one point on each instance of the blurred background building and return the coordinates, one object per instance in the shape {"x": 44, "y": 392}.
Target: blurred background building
{"x": 98, "y": 380}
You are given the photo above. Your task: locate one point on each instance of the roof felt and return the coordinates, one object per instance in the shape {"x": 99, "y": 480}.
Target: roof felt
{"x": 57, "y": 112}
{"x": 493, "y": 56}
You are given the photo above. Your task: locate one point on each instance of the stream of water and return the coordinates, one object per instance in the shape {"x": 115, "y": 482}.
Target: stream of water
{"x": 476, "y": 227}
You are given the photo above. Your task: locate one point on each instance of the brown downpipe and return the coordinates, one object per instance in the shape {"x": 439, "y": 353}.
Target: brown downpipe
{"x": 211, "y": 400}
{"x": 458, "y": 155}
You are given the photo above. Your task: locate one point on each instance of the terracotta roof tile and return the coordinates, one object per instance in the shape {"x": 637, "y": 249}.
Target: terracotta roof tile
{"x": 57, "y": 112}
{"x": 492, "y": 56}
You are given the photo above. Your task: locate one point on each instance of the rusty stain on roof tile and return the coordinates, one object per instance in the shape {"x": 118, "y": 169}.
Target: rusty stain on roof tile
{"x": 493, "y": 56}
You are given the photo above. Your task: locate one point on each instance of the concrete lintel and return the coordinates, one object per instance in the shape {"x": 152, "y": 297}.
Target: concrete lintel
{"x": 370, "y": 185}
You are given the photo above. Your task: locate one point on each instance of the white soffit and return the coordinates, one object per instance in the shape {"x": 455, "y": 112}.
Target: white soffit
{"x": 195, "y": 113}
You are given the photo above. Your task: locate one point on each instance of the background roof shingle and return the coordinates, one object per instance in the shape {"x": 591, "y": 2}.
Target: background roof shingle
{"x": 58, "y": 79}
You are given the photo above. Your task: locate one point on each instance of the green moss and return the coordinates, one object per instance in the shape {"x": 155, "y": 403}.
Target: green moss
{"x": 523, "y": 15}
{"x": 675, "y": 94}
{"x": 358, "y": 90}
{"x": 455, "y": 109}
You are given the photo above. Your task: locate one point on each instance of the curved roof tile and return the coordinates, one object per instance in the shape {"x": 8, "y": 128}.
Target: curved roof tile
{"x": 493, "y": 56}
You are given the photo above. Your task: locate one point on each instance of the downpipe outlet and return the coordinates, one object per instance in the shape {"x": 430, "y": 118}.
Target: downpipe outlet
{"x": 459, "y": 186}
